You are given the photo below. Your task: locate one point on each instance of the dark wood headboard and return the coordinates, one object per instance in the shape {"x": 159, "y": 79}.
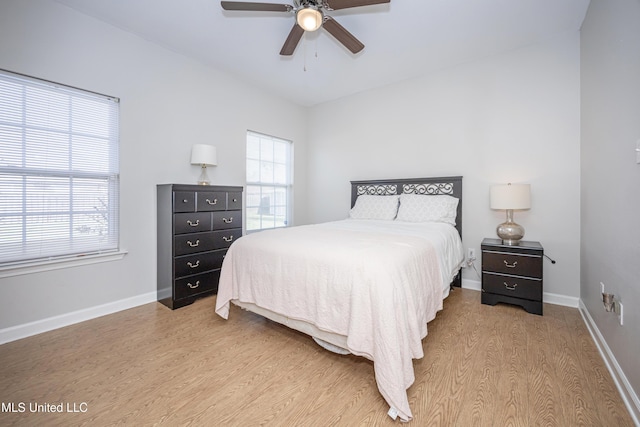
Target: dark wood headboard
{"x": 449, "y": 185}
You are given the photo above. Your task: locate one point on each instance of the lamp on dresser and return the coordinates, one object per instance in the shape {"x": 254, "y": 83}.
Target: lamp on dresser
{"x": 510, "y": 197}
{"x": 204, "y": 155}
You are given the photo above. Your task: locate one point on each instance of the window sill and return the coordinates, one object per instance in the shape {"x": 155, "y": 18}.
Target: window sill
{"x": 56, "y": 264}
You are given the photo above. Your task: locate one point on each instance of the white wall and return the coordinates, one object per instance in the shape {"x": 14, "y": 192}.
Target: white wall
{"x": 509, "y": 118}
{"x": 168, "y": 103}
{"x": 610, "y": 110}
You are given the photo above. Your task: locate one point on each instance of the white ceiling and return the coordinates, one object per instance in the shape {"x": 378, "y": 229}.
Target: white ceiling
{"x": 403, "y": 39}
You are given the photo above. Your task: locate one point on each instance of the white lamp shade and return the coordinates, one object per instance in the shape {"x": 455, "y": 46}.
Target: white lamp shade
{"x": 511, "y": 196}
{"x": 202, "y": 154}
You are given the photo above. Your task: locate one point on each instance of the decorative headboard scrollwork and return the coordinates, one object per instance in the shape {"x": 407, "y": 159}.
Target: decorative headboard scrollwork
{"x": 377, "y": 189}
{"x": 430, "y": 189}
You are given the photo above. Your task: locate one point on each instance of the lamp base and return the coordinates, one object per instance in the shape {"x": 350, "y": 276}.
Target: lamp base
{"x": 203, "y": 179}
{"x": 510, "y": 232}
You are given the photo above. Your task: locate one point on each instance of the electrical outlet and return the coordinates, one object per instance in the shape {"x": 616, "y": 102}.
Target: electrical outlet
{"x": 601, "y": 288}
{"x": 471, "y": 254}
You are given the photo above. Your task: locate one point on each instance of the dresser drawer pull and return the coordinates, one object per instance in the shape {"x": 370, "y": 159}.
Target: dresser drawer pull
{"x": 215, "y": 201}
{"x": 194, "y": 286}
{"x": 510, "y": 288}
{"x": 510, "y": 265}
{"x": 185, "y": 201}
{"x": 193, "y": 245}
{"x": 193, "y": 224}
{"x": 228, "y": 221}
{"x": 197, "y": 264}
{"x": 235, "y": 200}
{"x": 227, "y": 239}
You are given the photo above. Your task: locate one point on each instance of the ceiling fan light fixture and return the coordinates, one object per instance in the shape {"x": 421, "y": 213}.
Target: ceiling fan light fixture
{"x": 309, "y": 18}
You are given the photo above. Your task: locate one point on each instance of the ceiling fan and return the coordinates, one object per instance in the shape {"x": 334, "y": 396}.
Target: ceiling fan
{"x": 310, "y": 16}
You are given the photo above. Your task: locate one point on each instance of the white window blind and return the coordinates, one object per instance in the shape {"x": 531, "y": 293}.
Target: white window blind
{"x": 269, "y": 182}
{"x": 59, "y": 177}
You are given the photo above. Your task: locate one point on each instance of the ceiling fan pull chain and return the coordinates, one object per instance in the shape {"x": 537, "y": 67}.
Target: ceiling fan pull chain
{"x": 304, "y": 42}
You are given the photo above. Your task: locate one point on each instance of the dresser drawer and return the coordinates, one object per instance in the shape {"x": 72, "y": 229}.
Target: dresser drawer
{"x": 197, "y": 263}
{"x": 519, "y": 265}
{"x": 197, "y": 284}
{"x": 234, "y": 201}
{"x": 191, "y": 222}
{"x": 184, "y": 201}
{"x": 517, "y": 287}
{"x": 227, "y": 219}
{"x": 194, "y": 242}
{"x": 224, "y": 238}
{"x": 211, "y": 201}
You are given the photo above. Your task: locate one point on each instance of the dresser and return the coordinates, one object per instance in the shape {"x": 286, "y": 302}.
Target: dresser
{"x": 512, "y": 274}
{"x": 196, "y": 226}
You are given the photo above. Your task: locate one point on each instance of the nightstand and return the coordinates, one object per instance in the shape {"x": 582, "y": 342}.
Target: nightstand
{"x": 512, "y": 274}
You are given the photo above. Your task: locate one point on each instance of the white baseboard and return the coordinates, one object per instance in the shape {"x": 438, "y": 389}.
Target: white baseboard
{"x": 475, "y": 285}
{"x": 558, "y": 299}
{"x": 33, "y": 328}
{"x": 629, "y": 396}
{"x": 547, "y": 297}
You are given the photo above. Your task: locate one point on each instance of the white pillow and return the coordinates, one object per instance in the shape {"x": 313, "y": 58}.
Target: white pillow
{"x": 425, "y": 208}
{"x": 375, "y": 207}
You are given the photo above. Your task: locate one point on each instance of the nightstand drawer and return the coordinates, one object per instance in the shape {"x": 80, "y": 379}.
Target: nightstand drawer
{"x": 227, "y": 219}
{"x": 197, "y": 284}
{"x": 517, "y": 287}
{"x": 197, "y": 263}
{"x": 518, "y": 265}
{"x": 191, "y": 222}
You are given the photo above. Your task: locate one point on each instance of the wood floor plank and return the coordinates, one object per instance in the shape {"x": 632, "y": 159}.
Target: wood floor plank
{"x": 482, "y": 366}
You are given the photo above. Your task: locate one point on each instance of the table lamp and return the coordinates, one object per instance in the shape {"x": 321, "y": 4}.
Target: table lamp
{"x": 510, "y": 197}
{"x": 204, "y": 155}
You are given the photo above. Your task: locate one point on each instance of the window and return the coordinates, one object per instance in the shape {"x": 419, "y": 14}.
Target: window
{"x": 59, "y": 177}
{"x": 269, "y": 182}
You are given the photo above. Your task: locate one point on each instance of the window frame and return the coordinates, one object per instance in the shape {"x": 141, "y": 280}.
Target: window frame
{"x": 287, "y": 186}
{"x": 70, "y": 175}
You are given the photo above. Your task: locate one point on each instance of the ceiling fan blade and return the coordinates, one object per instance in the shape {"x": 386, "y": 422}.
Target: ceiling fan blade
{"x": 344, "y": 4}
{"x": 342, "y": 35}
{"x": 292, "y": 40}
{"x": 263, "y": 7}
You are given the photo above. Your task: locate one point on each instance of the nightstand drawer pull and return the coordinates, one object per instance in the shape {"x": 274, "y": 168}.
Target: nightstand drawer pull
{"x": 197, "y": 264}
{"x": 227, "y": 221}
{"x": 235, "y": 200}
{"x": 194, "y": 286}
{"x": 215, "y": 201}
{"x": 510, "y": 288}
{"x": 510, "y": 265}
{"x": 193, "y": 245}
{"x": 227, "y": 239}
{"x": 193, "y": 224}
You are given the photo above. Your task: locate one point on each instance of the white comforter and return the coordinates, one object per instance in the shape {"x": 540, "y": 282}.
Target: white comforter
{"x": 376, "y": 282}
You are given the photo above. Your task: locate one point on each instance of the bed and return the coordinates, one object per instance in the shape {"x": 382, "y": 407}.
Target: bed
{"x": 366, "y": 285}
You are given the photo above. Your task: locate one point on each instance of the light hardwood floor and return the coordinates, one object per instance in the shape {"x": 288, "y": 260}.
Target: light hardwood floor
{"x": 483, "y": 366}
